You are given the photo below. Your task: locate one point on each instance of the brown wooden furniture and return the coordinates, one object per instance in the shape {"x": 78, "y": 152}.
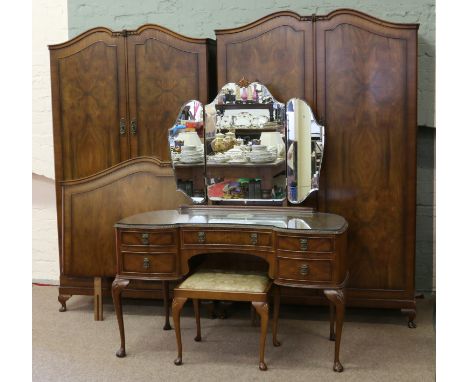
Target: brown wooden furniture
{"x": 302, "y": 249}
{"x": 90, "y": 208}
{"x": 359, "y": 74}
{"x": 221, "y": 285}
{"x": 114, "y": 96}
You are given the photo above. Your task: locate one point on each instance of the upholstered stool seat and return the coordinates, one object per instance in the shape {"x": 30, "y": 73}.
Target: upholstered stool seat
{"x": 223, "y": 285}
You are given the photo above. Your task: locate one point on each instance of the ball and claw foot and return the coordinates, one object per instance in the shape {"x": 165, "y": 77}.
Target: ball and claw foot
{"x": 121, "y": 353}
{"x": 197, "y": 338}
{"x": 262, "y": 366}
{"x": 178, "y": 361}
{"x": 338, "y": 367}
{"x": 167, "y": 326}
{"x": 276, "y": 343}
{"x": 411, "y": 325}
{"x": 63, "y": 308}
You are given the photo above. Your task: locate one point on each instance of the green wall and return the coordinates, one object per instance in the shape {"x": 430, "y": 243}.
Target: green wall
{"x": 200, "y": 18}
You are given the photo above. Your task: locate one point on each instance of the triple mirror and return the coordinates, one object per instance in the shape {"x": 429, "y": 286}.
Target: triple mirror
{"x": 246, "y": 147}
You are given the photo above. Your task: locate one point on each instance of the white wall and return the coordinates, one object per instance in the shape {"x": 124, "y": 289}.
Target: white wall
{"x": 50, "y": 26}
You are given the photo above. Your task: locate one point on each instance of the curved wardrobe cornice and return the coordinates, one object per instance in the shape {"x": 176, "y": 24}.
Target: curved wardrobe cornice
{"x": 355, "y": 13}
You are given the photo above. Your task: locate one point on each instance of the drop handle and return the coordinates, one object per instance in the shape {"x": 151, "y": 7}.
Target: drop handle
{"x": 253, "y": 238}
{"x": 146, "y": 263}
{"x": 133, "y": 126}
{"x": 201, "y": 237}
{"x": 304, "y": 269}
{"x": 122, "y": 126}
{"x": 145, "y": 238}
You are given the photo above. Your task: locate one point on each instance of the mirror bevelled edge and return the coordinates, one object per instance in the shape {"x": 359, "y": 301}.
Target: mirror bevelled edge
{"x": 305, "y": 140}
{"x": 186, "y": 145}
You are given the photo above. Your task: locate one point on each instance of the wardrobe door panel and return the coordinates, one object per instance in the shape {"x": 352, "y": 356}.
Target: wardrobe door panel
{"x": 275, "y": 50}
{"x": 165, "y": 71}
{"x": 366, "y": 96}
{"x": 89, "y": 97}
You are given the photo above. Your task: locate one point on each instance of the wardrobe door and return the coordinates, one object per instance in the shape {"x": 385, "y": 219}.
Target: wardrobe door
{"x": 366, "y": 96}
{"x": 275, "y": 50}
{"x": 165, "y": 71}
{"x": 89, "y": 103}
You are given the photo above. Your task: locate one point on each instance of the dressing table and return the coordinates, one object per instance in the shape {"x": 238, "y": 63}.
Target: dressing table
{"x": 303, "y": 249}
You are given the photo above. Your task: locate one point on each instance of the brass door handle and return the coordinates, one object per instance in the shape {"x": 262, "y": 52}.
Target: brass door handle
{"x": 304, "y": 245}
{"x": 253, "y": 238}
{"x": 145, "y": 238}
{"x": 146, "y": 263}
{"x": 122, "y": 127}
{"x": 304, "y": 269}
{"x": 133, "y": 126}
{"x": 201, "y": 237}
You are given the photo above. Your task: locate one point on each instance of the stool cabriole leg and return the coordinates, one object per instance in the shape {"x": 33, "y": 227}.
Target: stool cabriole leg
{"x": 177, "y": 305}
{"x": 262, "y": 310}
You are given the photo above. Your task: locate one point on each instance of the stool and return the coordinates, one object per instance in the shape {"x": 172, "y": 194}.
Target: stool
{"x": 223, "y": 285}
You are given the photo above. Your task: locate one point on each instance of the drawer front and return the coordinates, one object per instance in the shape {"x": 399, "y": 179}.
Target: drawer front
{"x": 148, "y": 238}
{"x": 306, "y": 244}
{"x": 148, "y": 263}
{"x": 227, "y": 237}
{"x": 305, "y": 270}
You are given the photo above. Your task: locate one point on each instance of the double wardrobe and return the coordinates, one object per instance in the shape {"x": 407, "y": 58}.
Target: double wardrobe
{"x": 116, "y": 94}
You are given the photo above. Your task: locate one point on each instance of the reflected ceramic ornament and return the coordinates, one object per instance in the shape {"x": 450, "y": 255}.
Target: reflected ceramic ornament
{"x": 229, "y": 140}
{"x": 242, "y": 120}
{"x": 218, "y": 144}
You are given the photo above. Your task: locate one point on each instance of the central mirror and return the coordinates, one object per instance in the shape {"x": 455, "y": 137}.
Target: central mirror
{"x": 246, "y": 147}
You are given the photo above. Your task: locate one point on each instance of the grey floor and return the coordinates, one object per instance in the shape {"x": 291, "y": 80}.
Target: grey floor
{"x": 376, "y": 344}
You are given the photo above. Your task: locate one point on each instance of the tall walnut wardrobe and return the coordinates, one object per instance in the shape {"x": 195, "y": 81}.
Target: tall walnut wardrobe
{"x": 359, "y": 74}
{"x": 114, "y": 96}
{"x": 116, "y": 93}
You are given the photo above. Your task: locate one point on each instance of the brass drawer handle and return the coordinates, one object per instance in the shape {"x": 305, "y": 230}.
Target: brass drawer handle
{"x": 253, "y": 238}
{"x": 304, "y": 269}
{"x": 304, "y": 245}
{"x": 201, "y": 237}
{"x": 145, "y": 238}
{"x": 146, "y": 263}
{"x": 133, "y": 126}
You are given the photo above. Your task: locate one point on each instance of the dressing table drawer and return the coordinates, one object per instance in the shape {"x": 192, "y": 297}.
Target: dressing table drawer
{"x": 305, "y": 244}
{"x": 231, "y": 238}
{"x": 148, "y": 263}
{"x": 154, "y": 238}
{"x": 303, "y": 270}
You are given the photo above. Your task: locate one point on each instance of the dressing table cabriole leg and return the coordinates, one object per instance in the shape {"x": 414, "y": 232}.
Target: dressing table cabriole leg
{"x": 165, "y": 285}
{"x": 262, "y": 310}
{"x": 62, "y": 299}
{"x": 332, "y": 321}
{"x": 177, "y": 305}
{"x": 196, "y": 308}
{"x": 117, "y": 286}
{"x": 337, "y": 297}
{"x": 276, "y": 307}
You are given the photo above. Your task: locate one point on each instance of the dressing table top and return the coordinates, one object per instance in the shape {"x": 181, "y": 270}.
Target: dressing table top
{"x": 281, "y": 218}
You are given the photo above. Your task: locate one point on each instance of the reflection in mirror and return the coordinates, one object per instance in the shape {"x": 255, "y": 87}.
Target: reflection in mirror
{"x": 244, "y": 144}
{"x": 305, "y": 143}
{"x": 187, "y": 151}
